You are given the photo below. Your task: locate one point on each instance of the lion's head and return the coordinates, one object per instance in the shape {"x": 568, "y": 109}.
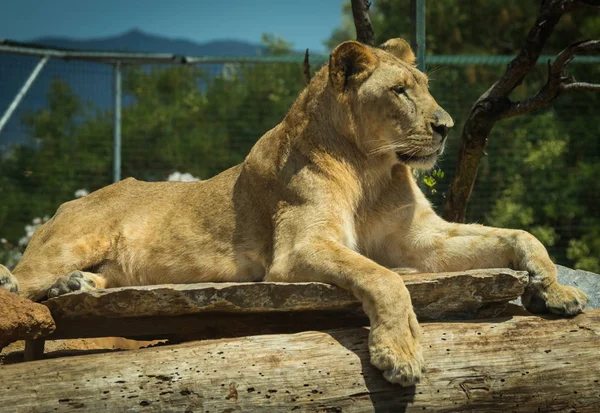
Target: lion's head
{"x": 389, "y": 104}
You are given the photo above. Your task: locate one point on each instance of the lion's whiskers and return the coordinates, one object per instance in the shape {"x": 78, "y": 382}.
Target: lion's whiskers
{"x": 406, "y": 148}
{"x": 434, "y": 71}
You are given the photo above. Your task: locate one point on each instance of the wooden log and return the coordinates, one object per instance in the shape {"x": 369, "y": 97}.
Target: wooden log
{"x": 234, "y": 309}
{"x": 521, "y": 364}
{"x": 34, "y": 349}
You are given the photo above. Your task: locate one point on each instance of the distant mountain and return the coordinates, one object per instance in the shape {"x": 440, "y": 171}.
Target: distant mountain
{"x": 91, "y": 81}
{"x": 138, "y": 41}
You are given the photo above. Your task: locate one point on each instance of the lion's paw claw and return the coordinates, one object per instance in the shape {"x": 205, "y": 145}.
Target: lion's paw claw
{"x": 563, "y": 300}
{"x": 398, "y": 355}
{"x": 74, "y": 281}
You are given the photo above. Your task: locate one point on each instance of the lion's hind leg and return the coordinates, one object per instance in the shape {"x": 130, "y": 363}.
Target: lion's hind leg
{"x": 76, "y": 281}
{"x": 58, "y": 266}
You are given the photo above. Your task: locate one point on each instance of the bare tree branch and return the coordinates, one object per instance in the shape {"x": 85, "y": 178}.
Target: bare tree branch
{"x": 306, "y": 68}
{"x": 550, "y": 14}
{"x": 590, "y": 3}
{"x": 362, "y": 21}
{"x": 577, "y": 48}
{"x": 557, "y": 82}
{"x": 494, "y": 104}
{"x": 580, "y": 87}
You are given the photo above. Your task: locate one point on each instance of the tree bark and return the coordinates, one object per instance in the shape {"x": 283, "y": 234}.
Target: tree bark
{"x": 362, "y": 21}
{"x": 521, "y": 364}
{"x": 472, "y": 148}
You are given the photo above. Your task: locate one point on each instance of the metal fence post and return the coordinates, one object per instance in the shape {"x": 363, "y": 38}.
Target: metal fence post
{"x": 420, "y": 35}
{"x": 117, "y": 124}
{"x": 19, "y": 97}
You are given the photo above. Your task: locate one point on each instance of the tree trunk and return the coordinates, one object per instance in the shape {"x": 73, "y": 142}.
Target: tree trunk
{"x": 521, "y": 364}
{"x": 362, "y": 21}
{"x": 472, "y": 148}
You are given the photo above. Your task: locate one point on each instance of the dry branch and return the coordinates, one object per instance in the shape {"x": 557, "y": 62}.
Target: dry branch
{"x": 494, "y": 104}
{"x": 306, "y": 68}
{"x": 362, "y": 21}
{"x": 522, "y": 364}
{"x": 558, "y": 82}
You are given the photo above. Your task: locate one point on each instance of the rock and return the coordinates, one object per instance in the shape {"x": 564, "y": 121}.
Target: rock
{"x": 434, "y": 296}
{"x": 22, "y": 319}
{"x": 214, "y": 310}
{"x": 586, "y": 281}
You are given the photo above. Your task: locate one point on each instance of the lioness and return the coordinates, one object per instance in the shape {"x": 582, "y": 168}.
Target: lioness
{"x": 326, "y": 195}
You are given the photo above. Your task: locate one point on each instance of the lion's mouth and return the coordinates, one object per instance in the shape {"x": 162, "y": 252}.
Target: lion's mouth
{"x": 414, "y": 159}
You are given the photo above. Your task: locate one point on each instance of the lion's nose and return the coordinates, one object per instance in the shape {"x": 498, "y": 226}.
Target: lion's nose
{"x": 441, "y": 129}
{"x": 442, "y": 122}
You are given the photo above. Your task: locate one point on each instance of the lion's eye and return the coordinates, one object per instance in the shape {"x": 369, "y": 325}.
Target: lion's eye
{"x": 400, "y": 90}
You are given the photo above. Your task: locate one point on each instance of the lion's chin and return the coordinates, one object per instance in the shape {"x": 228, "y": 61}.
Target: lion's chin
{"x": 424, "y": 163}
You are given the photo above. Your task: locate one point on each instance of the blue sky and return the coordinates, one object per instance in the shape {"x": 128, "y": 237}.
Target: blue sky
{"x": 306, "y": 23}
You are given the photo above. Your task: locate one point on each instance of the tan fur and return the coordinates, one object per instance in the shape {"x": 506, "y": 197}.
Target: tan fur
{"x": 327, "y": 195}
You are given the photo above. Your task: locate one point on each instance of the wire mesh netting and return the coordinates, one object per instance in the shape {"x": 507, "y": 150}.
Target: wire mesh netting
{"x": 540, "y": 175}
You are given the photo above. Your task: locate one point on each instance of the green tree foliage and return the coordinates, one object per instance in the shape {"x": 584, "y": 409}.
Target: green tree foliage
{"x": 276, "y": 45}
{"x": 467, "y": 27}
{"x": 200, "y": 120}
{"x": 34, "y": 180}
{"x": 542, "y": 171}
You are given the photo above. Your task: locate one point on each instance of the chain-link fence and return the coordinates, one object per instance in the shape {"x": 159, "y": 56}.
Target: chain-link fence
{"x": 195, "y": 120}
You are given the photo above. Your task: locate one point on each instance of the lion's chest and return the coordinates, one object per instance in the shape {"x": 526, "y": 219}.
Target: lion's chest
{"x": 349, "y": 236}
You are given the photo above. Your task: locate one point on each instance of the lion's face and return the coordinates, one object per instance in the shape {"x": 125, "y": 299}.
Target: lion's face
{"x": 392, "y": 108}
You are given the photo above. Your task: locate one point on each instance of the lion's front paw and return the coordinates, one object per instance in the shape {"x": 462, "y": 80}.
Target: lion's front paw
{"x": 558, "y": 299}
{"x": 397, "y": 353}
{"x": 8, "y": 281}
{"x": 74, "y": 281}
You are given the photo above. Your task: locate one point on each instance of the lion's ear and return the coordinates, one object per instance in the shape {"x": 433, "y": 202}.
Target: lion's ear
{"x": 401, "y": 49}
{"x": 350, "y": 62}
